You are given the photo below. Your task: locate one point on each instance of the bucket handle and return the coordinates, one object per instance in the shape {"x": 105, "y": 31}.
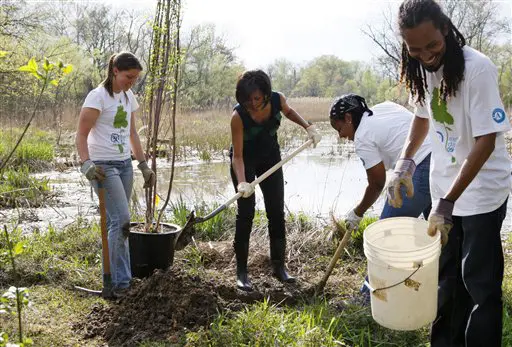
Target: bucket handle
{"x": 373, "y": 290}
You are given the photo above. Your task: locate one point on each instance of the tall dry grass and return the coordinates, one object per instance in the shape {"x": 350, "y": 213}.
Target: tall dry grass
{"x": 310, "y": 108}
{"x": 202, "y": 134}
{"x": 207, "y": 134}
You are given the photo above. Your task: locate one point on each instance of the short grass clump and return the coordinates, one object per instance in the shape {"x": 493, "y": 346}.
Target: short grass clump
{"x": 36, "y": 150}
{"x": 65, "y": 257}
{"x": 54, "y": 315}
{"x": 214, "y": 229}
{"x": 314, "y": 324}
{"x": 19, "y": 189}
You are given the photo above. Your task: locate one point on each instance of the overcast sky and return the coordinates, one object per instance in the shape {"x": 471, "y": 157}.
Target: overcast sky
{"x": 298, "y": 30}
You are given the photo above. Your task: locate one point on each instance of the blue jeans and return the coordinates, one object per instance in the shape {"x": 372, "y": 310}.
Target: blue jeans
{"x": 420, "y": 203}
{"x": 118, "y": 187}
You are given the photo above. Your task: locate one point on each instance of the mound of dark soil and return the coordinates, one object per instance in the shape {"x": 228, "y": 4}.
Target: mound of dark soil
{"x": 161, "y": 307}
{"x": 169, "y": 303}
{"x": 96, "y": 322}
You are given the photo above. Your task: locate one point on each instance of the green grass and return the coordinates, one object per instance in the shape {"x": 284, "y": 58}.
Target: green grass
{"x": 357, "y": 235}
{"x": 19, "y": 189}
{"x": 51, "y": 317}
{"x": 36, "y": 150}
{"x": 53, "y": 261}
{"x": 49, "y": 265}
{"x": 63, "y": 257}
{"x": 299, "y": 221}
{"x": 315, "y": 324}
{"x": 213, "y": 229}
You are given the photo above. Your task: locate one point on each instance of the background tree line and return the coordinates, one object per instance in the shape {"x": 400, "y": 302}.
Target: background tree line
{"x": 86, "y": 34}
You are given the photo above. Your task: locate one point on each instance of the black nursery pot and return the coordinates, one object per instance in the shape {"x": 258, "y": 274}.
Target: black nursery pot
{"x": 150, "y": 251}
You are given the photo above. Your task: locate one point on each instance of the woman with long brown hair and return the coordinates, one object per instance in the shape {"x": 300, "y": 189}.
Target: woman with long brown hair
{"x": 105, "y": 140}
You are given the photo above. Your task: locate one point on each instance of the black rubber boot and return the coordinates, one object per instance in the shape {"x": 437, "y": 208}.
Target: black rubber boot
{"x": 242, "y": 278}
{"x": 277, "y": 255}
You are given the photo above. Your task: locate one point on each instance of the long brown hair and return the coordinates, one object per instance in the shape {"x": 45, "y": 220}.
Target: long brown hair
{"x": 122, "y": 61}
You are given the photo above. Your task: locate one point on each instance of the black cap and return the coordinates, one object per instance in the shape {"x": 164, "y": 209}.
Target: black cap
{"x": 348, "y": 103}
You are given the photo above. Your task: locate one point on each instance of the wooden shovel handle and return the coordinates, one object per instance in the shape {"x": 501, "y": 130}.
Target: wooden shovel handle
{"x": 104, "y": 233}
{"x": 337, "y": 254}
{"x": 255, "y": 182}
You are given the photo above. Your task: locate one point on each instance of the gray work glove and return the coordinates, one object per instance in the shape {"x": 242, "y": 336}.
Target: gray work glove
{"x": 402, "y": 176}
{"x": 440, "y": 219}
{"x": 147, "y": 173}
{"x": 91, "y": 171}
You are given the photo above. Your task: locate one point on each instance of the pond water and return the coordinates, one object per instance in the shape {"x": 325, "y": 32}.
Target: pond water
{"x": 329, "y": 178}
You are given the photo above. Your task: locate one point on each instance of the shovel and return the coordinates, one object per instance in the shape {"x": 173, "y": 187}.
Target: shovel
{"x": 107, "y": 277}
{"x": 186, "y": 233}
{"x": 343, "y": 243}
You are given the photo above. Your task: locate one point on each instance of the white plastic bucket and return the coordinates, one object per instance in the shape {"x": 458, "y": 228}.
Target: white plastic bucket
{"x": 403, "y": 265}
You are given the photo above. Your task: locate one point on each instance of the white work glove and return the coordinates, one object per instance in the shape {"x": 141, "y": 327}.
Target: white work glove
{"x": 402, "y": 176}
{"x": 246, "y": 189}
{"x": 313, "y": 134}
{"x": 91, "y": 171}
{"x": 147, "y": 173}
{"x": 352, "y": 220}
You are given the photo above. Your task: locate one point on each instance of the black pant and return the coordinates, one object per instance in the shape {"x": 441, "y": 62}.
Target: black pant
{"x": 470, "y": 277}
{"x": 273, "y": 195}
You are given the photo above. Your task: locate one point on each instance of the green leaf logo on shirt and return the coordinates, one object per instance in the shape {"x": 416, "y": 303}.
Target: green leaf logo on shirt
{"x": 120, "y": 120}
{"x": 442, "y": 116}
{"x": 439, "y": 109}
{"x": 121, "y": 148}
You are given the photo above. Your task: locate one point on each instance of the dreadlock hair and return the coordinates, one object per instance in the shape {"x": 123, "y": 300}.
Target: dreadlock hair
{"x": 413, "y": 13}
{"x": 251, "y": 81}
{"x": 122, "y": 61}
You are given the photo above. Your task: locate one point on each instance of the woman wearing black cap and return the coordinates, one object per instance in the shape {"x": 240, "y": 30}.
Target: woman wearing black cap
{"x": 379, "y": 134}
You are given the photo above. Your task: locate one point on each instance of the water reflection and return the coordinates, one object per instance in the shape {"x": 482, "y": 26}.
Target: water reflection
{"x": 317, "y": 181}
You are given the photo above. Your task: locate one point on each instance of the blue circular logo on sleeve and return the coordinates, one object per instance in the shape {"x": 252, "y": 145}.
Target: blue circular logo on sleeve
{"x": 498, "y": 115}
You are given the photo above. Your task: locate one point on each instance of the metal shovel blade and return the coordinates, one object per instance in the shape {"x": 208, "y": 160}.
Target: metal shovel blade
{"x": 187, "y": 232}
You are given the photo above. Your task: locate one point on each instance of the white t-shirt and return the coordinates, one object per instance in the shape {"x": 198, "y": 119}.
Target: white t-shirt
{"x": 381, "y": 137}
{"x": 109, "y": 138}
{"x": 476, "y": 110}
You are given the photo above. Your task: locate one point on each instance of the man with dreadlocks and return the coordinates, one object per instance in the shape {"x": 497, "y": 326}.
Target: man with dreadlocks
{"x": 454, "y": 90}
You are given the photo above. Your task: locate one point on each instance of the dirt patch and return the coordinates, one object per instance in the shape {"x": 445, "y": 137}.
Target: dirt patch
{"x": 166, "y": 305}
{"x": 161, "y": 307}
{"x": 96, "y": 322}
